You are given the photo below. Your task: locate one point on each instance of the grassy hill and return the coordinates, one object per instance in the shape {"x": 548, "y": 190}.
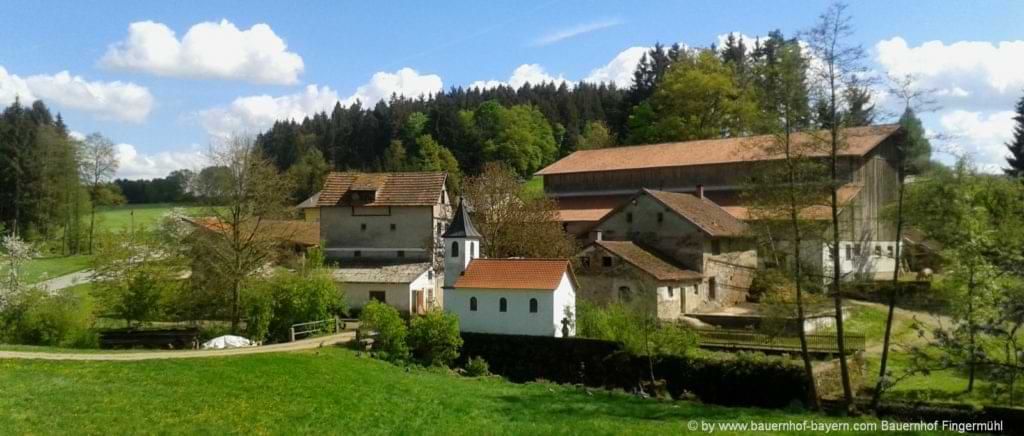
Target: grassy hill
{"x": 329, "y": 391}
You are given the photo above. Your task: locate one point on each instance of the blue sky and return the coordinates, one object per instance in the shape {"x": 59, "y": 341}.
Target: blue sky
{"x": 254, "y": 61}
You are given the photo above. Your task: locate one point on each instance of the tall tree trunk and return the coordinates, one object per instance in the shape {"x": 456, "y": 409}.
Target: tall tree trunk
{"x": 794, "y": 214}
{"x": 836, "y": 273}
{"x": 971, "y": 364}
{"x": 877, "y": 397}
{"x": 92, "y": 222}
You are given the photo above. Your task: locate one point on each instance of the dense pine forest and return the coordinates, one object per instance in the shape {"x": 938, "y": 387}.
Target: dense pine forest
{"x": 677, "y": 93}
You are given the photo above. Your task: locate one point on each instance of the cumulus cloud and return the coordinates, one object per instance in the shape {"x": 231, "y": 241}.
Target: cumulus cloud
{"x": 255, "y": 113}
{"x": 574, "y": 31}
{"x": 106, "y": 100}
{"x": 523, "y": 74}
{"x": 980, "y": 135}
{"x": 135, "y": 165}
{"x": 620, "y": 70}
{"x": 208, "y": 50}
{"x": 976, "y": 75}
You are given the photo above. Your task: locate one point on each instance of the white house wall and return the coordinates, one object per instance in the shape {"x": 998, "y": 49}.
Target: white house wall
{"x": 518, "y": 320}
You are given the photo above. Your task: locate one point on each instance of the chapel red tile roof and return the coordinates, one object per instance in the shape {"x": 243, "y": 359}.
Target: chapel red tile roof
{"x": 525, "y": 274}
{"x": 703, "y": 213}
{"x": 859, "y": 141}
{"x": 392, "y": 189}
{"x": 647, "y": 261}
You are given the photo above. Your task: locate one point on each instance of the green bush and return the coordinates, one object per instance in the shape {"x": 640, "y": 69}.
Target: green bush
{"x": 639, "y": 332}
{"x": 64, "y": 319}
{"x": 768, "y": 281}
{"x": 434, "y": 338}
{"x": 287, "y": 299}
{"x": 476, "y": 367}
{"x": 391, "y": 332}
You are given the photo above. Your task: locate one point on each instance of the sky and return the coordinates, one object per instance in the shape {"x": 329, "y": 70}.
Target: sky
{"x": 164, "y": 80}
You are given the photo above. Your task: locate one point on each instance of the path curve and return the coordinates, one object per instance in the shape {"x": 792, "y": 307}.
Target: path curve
{"x": 304, "y": 344}
{"x": 66, "y": 280}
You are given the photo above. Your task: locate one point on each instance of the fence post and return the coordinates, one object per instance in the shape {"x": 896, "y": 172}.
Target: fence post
{"x": 292, "y": 331}
{"x": 337, "y": 325}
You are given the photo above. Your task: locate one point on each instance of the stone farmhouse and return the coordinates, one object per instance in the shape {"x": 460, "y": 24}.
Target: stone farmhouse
{"x": 681, "y": 251}
{"x": 589, "y": 184}
{"x": 534, "y": 297}
{"x": 382, "y": 231}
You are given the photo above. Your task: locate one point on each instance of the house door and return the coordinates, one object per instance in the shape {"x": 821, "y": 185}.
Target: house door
{"x": 421, "y": 303}
{"x": 379, "y": 296}
{"x": 712, "y": 289}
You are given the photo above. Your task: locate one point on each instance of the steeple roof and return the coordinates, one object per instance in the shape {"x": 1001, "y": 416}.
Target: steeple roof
{"x": 462, "y": 226}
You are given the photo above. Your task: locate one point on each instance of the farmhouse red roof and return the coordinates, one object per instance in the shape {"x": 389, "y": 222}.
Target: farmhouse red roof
{"x": 392, "y": 189}
{"x": 648, "y": 262}
{"x": 703, "y": 213}
{"x": 859, "y": 141}
{"x": 527, "y": 274}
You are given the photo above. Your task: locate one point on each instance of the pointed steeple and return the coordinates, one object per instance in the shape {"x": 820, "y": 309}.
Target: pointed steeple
{"x": 462, "y": 226}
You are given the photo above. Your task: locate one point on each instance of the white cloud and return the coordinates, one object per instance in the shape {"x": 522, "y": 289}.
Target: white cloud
{"x": 980, "y": 135}
{"x": 574, "y": 31}
{"x": 748, "y": 41}
{"x": 620, "y": 70}
{"x": 133, "y": 165}
{"x": 977, "y": 75}
{"x": 533, "y": 74}
{"x": 106, "y": 100}
{"x": 255, "y": 113}
{"x": 208, "y": 50}
{"x": 406, "y": 81}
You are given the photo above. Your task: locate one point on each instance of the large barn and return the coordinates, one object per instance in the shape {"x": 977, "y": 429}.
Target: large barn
{"x": 589, "y": 184}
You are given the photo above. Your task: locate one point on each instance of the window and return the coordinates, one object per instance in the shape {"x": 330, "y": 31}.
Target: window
{"x": 888, "y": 251}
{"x": 533, "y": 305}
{"x": 502, "y": 305}
{"x": 878, "y": 250}
{"x": 671, "y": 293}
{"x": 472, "y": 304}
{"x": 362, "y": 227}
{"x": 585, "y": 262}
{"x": 661, "y": 217}
{"x": 393, "y": 226}
{"x": 849, "y": 252}
{"x": 856, "y": 249}
{"x": 357, "y": 253}
{"x": 379, "y": 296}
{"x": 629, "y": 217}
{"x": 716, "y": 246}
{"x": 401, "y": 253}
{"x": 606, "y": 261}
{"x": 625, "y": 294}
{"x": 455, "y": 249}
{"x": 712, "y": 289}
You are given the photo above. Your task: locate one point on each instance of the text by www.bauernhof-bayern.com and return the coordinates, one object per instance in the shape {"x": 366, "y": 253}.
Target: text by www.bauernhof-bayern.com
{"x": 824, "y": 427}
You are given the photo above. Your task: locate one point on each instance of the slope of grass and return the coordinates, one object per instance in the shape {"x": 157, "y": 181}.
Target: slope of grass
{"x": 534, "y": 187}
{"x": 122, "y": 217}
{"x": 40, "y": 269}
{"x": 329, "y": 391}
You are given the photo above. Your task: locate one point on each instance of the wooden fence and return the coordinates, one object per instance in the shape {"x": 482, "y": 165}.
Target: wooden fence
{"x": 752, "y": 340}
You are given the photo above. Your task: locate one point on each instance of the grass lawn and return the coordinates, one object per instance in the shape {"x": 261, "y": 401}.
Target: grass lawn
{"x": 40, "y": 269}
{"x": 120, "y": 217}
{"x": 330, "y": 390}
{"x": 534, "y": 186}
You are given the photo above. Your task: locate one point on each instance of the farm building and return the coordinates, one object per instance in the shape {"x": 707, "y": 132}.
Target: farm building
{"x": 508, "y": 296}
{"x": 681, "y": 251}
{"x": 381, "y": 232}
{"x": 588, "y": 184}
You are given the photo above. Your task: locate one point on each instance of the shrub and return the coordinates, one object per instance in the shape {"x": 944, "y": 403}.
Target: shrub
{"x": 64, "y": 319}
{"x": 389, "y": 342}
{"x": 768, "y": 281}
{"x": 287, "y": 299}
{"x": 639, "y": 333}
{"x": 434, "y": 337}
{"x": 476, "y": 366}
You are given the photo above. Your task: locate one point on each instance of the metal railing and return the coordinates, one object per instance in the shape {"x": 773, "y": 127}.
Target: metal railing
{"x": 313, "y": 328}
{"x": 751, "y": 340}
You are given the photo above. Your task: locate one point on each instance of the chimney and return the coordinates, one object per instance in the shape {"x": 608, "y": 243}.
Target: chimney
{"x": 700, "y": 191}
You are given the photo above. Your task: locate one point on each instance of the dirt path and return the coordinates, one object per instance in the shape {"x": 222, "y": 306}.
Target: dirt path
{"x": 304, "y": 344}
{"x": 902, "y": 317}
{"x": 66, "y": 281}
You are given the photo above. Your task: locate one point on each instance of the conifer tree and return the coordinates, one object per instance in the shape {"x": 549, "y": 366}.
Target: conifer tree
{"x": 1016, "y": 145}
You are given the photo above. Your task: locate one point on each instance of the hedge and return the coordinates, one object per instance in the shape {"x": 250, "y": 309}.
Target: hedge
{"x": 720, "y": 378}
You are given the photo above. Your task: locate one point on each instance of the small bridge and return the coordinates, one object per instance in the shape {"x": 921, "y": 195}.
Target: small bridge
{"x": 744, "y": 340}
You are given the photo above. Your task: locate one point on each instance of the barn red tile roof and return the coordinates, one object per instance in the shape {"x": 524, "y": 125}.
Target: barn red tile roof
{"x": 302, "y": 233}
{"x": 703, "y": 213}
{"x": 647, "y": 261}
{"x": 392, "y": 189}
{"x": 587, "y": 208}
{"x": 821, "y": 212}
{"x": 527, "y": 274}
{"x": 859, "y": 140}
